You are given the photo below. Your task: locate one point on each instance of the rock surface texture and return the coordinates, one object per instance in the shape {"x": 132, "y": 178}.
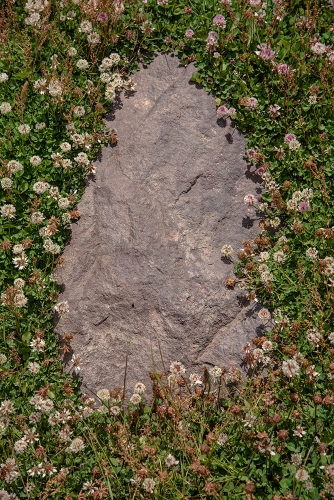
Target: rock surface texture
{"x": 143, "y": 273}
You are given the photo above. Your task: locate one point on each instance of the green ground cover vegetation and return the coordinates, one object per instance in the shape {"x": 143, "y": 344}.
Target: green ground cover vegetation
{"x": 270, "y": 66}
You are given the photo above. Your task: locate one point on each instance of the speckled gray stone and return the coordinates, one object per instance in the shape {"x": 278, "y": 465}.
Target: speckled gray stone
{"x": 143, "y": 273}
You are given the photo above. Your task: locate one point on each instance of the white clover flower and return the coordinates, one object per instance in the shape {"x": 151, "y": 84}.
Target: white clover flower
{"x": 72, "y": 51}
{"x": 34, "y": 367}
{"x": 290, "y": 368}
{"x": 148, "y": 485}
{"x": 292, "y": 205}
{"x": 282, "y": 240}
{"x": 35, "y": 160}
{"x": 177, "y": 368}
{"x": 40, "y": 85}
{"x": 85, "y": 27}
{"x": 105, "y": 77}
{"x": 275, "y": 222}
{"x": 103, "y": 394}
{"x": 226, "y": 250}
{"x": 267, "y": 346}
{"x": 20, "y": 446}
{"x": 222, "y": 439}
{"x": 33, "y": 20}
{"x": 5, "y": 108}
{"x": 250, "y": 200}
{"x": 82, "y": 64}
{"x": 65, "y": 147}
{"x": 195, "y": 379}
{"x": 106, "y": 64}
{"x": 20, "y": 300}
{"x": 93, "y": 38}
{"x": 307, "y": 193}
{"x": 311, "y": 253}
{"x": 314, "y": 337}
{"x": 264, "y": 314}
{"x": 331, "y": 338}
{"x": 318, "y": 48}
{"x": 71, "y": 15}
{"x": 62, "y": 308}
{"x": 8, "y": 211}
{"x": 115, "y": 58}
{"x": 66, "y": 164}
{"x": 110, "y": 94}
{"x": 24, "y": 129}
{"x": 55, "y": 88}
{"x": 41, "y": 187}
{"x": 82, "y": 159}
{"x": 302, "y": 475}
{"x": 66, "y": 217}
{"x": 3, "y": 359}
{"x": 37, "y": 345}
{"x": 51, "y": 247}
{"x": 3, "y": 77}
{"x": 64, "y": 203}
{"x": 18, "y": 249}
{"x": 6, "y": 183}
{"x": 171, "y": 460}
{"x": 19, "y": 283}
{"x": 40, "y": 126}
{"x": 139, "y": 388}
{"x": 264, "y": 256}
{"x": 215, "y": 373}
{"x": 76, "y": 446}
{"x": 135, "y": 399}
{"x": 37, "y": 217}
{"x": 14, "y": 166}
{"x": 79, "y": 111}
{"x": 258, "y": 355}
{"x": 294, "y": 145}
{"x": 279, "y": 257}
{"x": 20, "y": 262}
{"x": 266, "y": 277}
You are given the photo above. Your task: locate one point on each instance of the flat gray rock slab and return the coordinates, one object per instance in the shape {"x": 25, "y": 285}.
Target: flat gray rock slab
{"x": 143, "y": 273}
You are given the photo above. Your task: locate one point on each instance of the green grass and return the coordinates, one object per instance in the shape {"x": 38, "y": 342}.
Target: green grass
{"x": 269, "y": 437}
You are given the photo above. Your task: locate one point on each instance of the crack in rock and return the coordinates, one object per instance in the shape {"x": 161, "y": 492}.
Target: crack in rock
{"x": 192, "y": 184}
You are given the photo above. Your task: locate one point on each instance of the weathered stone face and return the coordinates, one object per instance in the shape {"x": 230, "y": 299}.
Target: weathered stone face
{"x": 143, "y": 273}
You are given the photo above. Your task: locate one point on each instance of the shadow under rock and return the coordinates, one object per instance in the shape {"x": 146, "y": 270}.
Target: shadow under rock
{"x": 116, "y": 105}
{"x": 247, "y": 222}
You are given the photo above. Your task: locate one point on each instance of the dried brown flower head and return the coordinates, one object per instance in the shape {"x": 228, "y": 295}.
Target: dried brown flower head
{"x": 282, "y": 435}
{"x": 230, "y": 282}
{"x": 242, "y": 256}
{"x": 140, "y": 18}
{"x": 205, "y": 448}
{"x": 210, "y": 488}
{"x": 250, "y": 266}
{"x": 130, "y": 35}
{"x": 114, "y": 38}
{"x": 200, "y": 469}
{"x": 294, "y": 397}
{"x": 6, "y": 245}
{"x": 286, "y": 185}
{"x": 262, "y": 242}
{"x": 297, "y": 227}
{"x": 249, "y": 488}
{"x": 235, "y": 409}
